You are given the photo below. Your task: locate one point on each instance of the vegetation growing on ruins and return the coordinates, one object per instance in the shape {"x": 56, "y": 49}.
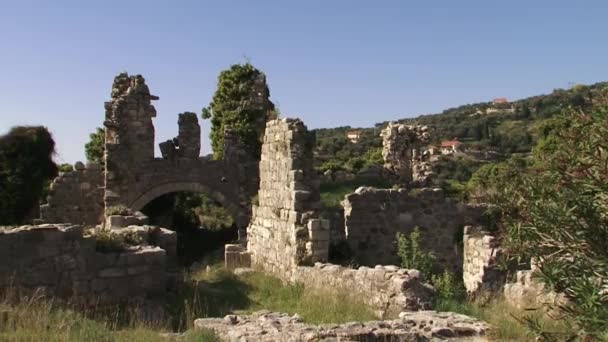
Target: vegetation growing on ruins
{"x": 26, "y": 166}
{"x": 242, "y": 103}
{"x": 555, "y": 213}
{"x": 94, "y": 149}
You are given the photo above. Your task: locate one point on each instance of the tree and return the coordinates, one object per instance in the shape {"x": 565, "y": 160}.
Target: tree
{"x": 95, "y": 148}
{"x": 26, "y": 165}
{"x": 557, "y": 213}
{"x": 242, "y": 103}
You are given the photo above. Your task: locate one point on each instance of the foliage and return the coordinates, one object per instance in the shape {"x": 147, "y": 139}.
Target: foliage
{"x": 65, "y": 167}
{"x": 26, "y": 165}
{"x": 557, "y": 213}
{"x": 94, "y": 149}
{"x": 411, "y": 254}
{"x": 201, "y": 223}
{"x": 447, "y": 286}
{"x": 237, "y": 104}
{"x": 117, "y": 210}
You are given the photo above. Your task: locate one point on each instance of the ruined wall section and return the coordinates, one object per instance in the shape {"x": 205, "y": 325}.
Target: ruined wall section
{"x": 402, "y": 152}
{"x": 374, "y": 216}
{"x": 62, "y": 261}
{"x": 284, "y": 231}
{"x": 75, "y": 197}
{"x": 480, "y": 270}
{"x": 129, "y": 134}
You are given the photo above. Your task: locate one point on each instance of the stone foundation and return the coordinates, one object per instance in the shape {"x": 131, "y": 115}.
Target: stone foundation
{"x": 480, "y": 268}
{"x": 374, "y": 216}
{"x": 418, "y": 326}
{"x": 62, "y": 262}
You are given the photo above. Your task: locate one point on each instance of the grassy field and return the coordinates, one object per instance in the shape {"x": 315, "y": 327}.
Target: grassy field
{"x": 214, "y": 292}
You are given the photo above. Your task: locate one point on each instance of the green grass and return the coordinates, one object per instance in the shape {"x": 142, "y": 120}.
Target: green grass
{"x": 38, "y": 319}
{"x": 333, "y": 193}
{"x": 219, "y": 292}
{"x": 505, "y": 318}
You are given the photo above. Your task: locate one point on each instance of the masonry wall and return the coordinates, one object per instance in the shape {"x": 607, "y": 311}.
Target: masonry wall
{"x": 389, "y": 290}
{"x": 60, "y": 260}
{"x": 76, "y": 197}
{"x": 480, "y": 263}
{"x": 284, "y": 231}
{"x": 374, "y": 216}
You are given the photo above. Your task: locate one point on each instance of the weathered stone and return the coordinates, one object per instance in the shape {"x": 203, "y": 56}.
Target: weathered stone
{"x": 271, "y": 326}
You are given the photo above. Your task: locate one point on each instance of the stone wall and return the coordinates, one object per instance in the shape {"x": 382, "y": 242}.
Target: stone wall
{"x": 526, "y": 291}
{"x": 76, "y": 196}
{"x": 63, "y": 262}
{"x": 480, "y": 263}
{"x": 401, "y": 150}
{"x": 284, "y": 231}
{"x": 374, "y": 216}
{"x": 389, "y": 290}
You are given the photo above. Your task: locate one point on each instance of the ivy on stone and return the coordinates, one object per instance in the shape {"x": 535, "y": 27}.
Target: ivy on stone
{"x": 241, "y": 103}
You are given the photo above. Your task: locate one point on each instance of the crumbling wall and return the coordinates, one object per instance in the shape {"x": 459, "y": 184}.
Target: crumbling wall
{"x": 60, "y": 260}
{"x": 480, "y": 270}
{"x": 389, "y": 290}
{"x": 402, "y": 152}
{"x": 129, "y": 134}
{"x": 374, "y": 216}
{"x": 75, "y": 197}
{"x": 284, "y": 231}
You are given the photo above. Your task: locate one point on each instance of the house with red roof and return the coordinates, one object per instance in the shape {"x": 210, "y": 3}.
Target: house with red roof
{"x": 450, "y": 146}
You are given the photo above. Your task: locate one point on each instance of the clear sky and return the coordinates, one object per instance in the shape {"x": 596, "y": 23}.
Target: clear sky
{"x": 329, "y": 62}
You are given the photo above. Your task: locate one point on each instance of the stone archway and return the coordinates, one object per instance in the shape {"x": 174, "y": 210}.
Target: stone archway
{"x": 166, "y": 188}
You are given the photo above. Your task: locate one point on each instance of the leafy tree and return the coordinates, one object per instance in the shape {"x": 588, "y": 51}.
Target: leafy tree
{"x": 242, "y": 103}
{"x": 94, "y": 149}
{"x": 26, "y": 164}
{"x": 557, "y": 213}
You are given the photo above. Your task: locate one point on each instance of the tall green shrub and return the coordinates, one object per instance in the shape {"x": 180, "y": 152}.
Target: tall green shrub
{"x": 242, "y": 103}
{"x": 557, "y": 213}
{"x": 26, "y": 165}
{"x": 94, "y": 149}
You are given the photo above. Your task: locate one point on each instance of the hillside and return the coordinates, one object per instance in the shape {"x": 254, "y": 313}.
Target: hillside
{"x": 506, "y": 128}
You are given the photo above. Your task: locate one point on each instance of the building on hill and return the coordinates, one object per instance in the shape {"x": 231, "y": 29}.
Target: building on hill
{"x": 500, "y": 100}
{"x": 353, "y": 136}
{"x": 450, "y": 146}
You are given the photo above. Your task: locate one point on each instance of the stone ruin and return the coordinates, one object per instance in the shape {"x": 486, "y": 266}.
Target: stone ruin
{"x": 265, "y": 326}
{"x": 402, "y": 152}
{"x": 132, "y": 176}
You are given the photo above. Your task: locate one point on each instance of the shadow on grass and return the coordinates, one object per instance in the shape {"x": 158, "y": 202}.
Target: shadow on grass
{"x": 207, "y": 294}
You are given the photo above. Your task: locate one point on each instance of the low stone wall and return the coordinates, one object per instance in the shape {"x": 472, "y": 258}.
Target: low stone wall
{"x": 387, "y": 289}
{"x": 527, "y": 291}
{"x": 418, "y": 326}
{"x": 480, "y": 270}
{"x": 76, "y": 197}
{"x": 61, "y": 261}
{"x": 373, "y": 217}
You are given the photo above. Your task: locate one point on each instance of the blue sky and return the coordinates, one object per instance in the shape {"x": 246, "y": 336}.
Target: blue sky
{"x": 331, "y": 63}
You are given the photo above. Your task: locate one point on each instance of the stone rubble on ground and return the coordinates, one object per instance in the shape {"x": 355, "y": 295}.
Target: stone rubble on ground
{"x": 418, "y": 326}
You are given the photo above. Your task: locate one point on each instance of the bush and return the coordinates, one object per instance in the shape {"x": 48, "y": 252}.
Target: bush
{"x": 411, "y": 254}
{"x": 557, "y": 213}
{"x": 26, "y": 166}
